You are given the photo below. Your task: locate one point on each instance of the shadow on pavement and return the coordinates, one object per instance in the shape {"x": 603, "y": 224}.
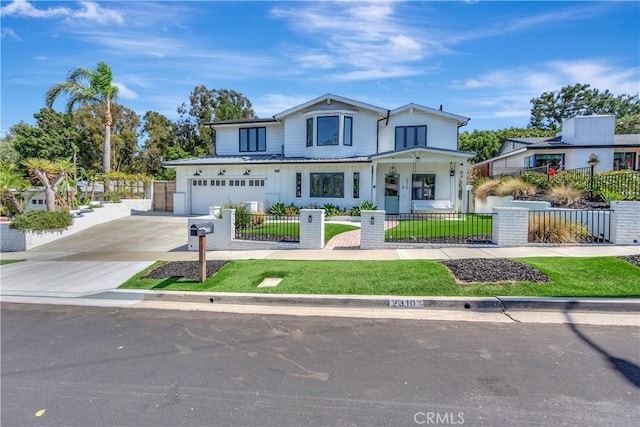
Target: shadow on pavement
{"x": 629, "y": 370}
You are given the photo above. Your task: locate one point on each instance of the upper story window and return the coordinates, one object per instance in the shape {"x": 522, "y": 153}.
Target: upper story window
{"x": 347, "y": 137}
{"x": 253, "y": 139}
{"x": 411, "y": 136}
{"x": 328, "y": 130}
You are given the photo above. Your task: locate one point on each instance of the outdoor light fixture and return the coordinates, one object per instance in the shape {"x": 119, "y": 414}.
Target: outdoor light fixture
{"x": 222, "y": 171}
{"x": 372, "y": 220}
{"x": 310, "y": 219}
{"x": 197, "y": 173}
{"x": 452, "y": 169}
{"x": 392, "y": 170}
{"x": 247, "y": 172}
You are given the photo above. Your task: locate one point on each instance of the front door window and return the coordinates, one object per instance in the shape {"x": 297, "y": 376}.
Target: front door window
{"x": 391, "y": 193}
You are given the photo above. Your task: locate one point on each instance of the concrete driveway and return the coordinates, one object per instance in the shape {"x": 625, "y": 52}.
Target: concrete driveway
{"x": 100, "y": 258}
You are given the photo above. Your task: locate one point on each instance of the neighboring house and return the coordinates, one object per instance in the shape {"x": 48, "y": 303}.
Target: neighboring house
{"x": 330, "y": 150}
{"x": 581, "y": 137}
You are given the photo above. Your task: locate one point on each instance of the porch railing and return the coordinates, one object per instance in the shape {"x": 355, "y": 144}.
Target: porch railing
{"x": 454, "y": 228}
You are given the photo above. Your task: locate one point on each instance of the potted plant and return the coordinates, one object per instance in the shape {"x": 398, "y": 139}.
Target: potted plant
{"x": 593, "y": 159}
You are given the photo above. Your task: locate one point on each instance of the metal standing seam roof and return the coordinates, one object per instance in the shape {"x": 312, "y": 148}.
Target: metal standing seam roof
{"x": 261, "y": 159}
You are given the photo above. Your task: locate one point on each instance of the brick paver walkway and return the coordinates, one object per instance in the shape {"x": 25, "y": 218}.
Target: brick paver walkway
{"x": 351, "y": 239}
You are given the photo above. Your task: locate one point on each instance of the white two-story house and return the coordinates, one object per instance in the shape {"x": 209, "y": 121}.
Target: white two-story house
{"x": 331, "y": 150}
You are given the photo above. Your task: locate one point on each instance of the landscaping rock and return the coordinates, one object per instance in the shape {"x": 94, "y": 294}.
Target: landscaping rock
{"x": 633, "y": 259}
{"x": 479, "y": 270}
{"x": 187, "y": 269}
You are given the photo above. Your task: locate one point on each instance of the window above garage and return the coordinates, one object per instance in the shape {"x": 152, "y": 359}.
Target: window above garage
{"x": 253, "y": 139}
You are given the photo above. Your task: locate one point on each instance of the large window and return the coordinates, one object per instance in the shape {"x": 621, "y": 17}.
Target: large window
{"x": 310, "y": 132}
{"x": 327, "y": 185}
{"x": 253, "y": 139}
{"x": 623, "y": 161}
{"x": 327, "y": 130}
{"x": 347, "y": 131}
{"x": 555, "y": 161}
{"x": 423, "y": 187}
{"x": 411, "y": 136}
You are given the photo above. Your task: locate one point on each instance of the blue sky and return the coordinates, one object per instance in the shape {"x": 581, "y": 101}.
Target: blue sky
{"x": 483, "y": 60}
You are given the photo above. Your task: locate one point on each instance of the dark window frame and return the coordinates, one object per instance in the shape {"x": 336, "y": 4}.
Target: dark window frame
{"x": 413, "y": 131}
{"x": 356, "y": 185}
{"x": 349, "y": 130}
{"x": 335, "y": 181}
{"x": 310, "y": 132}
{"x": 259, "y": 142}
{"x": 427, "y": 191}
{"x": 298, "y": 185}
{"x": 320, "y": 122}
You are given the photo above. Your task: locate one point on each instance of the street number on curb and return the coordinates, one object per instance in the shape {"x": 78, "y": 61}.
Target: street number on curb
{"x": 406, "y": 303}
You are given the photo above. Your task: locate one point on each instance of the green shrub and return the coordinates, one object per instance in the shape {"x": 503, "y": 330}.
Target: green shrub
{"x": 244, "y": 218}
{"x": 609, "y": 196}
{"x": 292, "y": 210}
{"x": 364, "y": 206}
{"x": 42, "y": 221}
{"x": 539, "y": 179}
{"x": 331, "y": 210}
{"x": 277, "y": 209}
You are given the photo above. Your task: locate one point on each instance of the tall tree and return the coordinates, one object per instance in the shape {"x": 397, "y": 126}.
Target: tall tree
{"x": 53, "y": 136}
{"x": 49, "y": 174}
{"x": 91, "y": 86}
{"x": 158, "y": 134}
{"x": 124, "y": 136}
{"x": 551, "y": 108}
{"x": 206, "y": 106}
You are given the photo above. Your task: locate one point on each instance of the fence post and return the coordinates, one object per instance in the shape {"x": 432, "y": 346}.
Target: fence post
{"x": 311, "y": 228}
{"x": 372, "y": 229}
{"x": 625, "y": 223}
{"x": 510, "y": 226}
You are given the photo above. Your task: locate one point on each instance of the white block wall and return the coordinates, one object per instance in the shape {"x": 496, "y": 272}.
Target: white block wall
{"x": 372, "y": 235}
{"x": 311, "y": 228}
{"x": 510, "y": 226}
{"x": 625, "y": 222}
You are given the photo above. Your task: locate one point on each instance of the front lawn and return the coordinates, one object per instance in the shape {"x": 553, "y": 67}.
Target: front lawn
{"x": 441, "y": 226}
{"x": 570, "y": 277}
{"x": 9, "y": 261}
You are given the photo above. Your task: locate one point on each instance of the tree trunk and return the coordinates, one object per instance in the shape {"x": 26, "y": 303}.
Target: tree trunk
{"x": 106, "y": 150}
{"x": 8, "y": 195}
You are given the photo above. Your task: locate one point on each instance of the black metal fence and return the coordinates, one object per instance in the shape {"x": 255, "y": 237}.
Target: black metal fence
{"x": 454, "y": 228}
{"x": 515, "y": 171}
{"x": 625, "y": 184}
{"x": 564, "y": 226}
{"x": 267, "y": 228}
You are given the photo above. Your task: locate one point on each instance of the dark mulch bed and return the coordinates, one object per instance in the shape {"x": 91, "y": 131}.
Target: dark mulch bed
{"x": 476, "y": 270}
{"x": 186, "y": 269}
{"x": 633, "y": 259}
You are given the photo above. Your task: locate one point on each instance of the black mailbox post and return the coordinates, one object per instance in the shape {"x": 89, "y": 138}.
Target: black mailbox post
{"x": 201, "y": 230}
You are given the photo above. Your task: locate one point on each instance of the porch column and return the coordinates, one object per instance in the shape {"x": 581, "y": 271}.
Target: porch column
{"x": 465, "y": 199}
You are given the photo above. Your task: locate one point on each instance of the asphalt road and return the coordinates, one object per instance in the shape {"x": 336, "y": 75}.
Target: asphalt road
{"x": 112, "y": 366}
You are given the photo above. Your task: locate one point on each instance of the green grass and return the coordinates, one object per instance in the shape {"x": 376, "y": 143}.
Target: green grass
{"x": 472, "y": 225}
{"x": 293, "y": 229}
{"x": 571, "y": 277}
{"x": 9, "y": 261}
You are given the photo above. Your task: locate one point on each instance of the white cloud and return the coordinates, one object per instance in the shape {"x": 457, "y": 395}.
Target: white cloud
{"x": 273, "y": 103}
{"x": 89, "y": 11}
{"x": 124, "y": 92}
{"x": 9, "y": 33}
{"x": 94, "y": 12}
{"x": 358, "y": 39}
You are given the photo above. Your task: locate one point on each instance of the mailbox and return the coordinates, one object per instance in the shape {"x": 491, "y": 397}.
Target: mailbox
{"x": 201, "y": 229}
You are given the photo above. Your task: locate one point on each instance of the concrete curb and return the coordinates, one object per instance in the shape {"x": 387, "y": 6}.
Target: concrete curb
{"x": 496, "y": 304}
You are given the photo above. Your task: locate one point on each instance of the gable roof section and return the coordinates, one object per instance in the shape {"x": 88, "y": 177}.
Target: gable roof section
{"x": 460, "y": 119}
{"x": 331, "y": 97}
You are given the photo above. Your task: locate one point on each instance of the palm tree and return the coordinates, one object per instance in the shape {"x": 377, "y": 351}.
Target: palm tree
{"x": 91, "y": 86}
